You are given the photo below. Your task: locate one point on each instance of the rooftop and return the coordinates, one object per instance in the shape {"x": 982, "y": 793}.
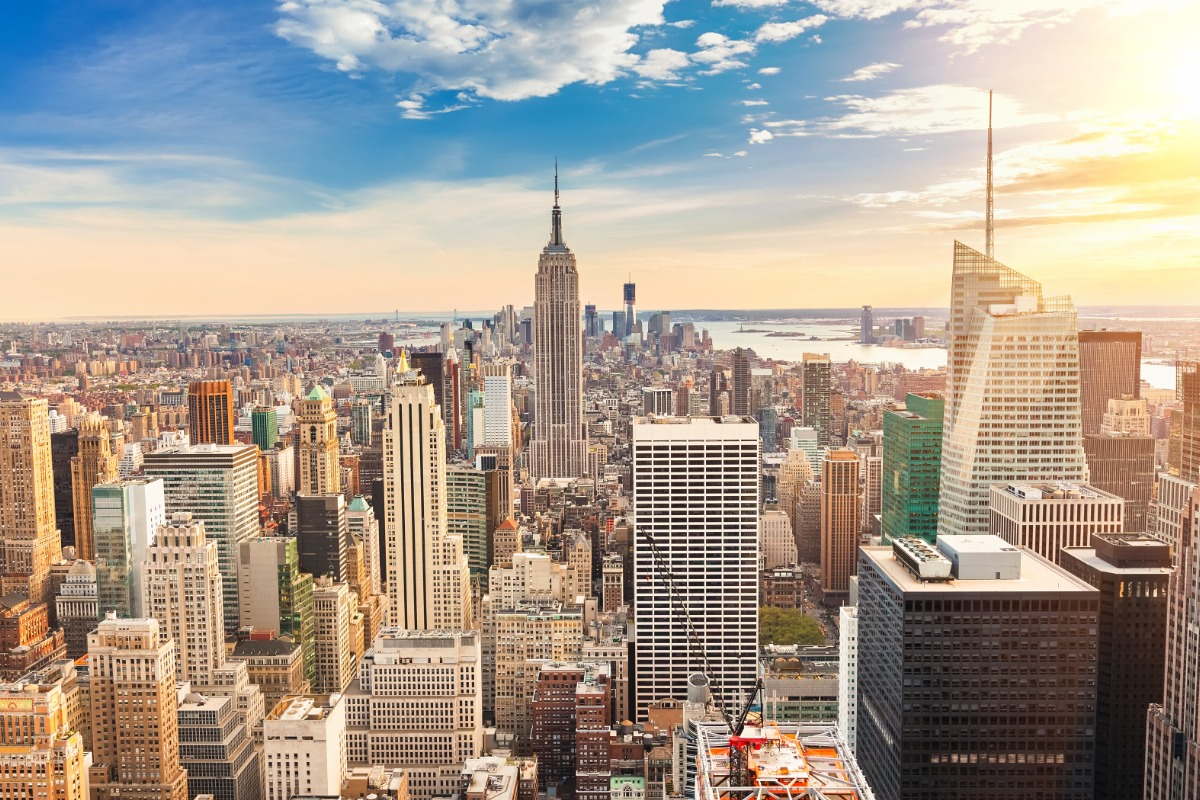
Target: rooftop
{"x": 1037, "y": 574}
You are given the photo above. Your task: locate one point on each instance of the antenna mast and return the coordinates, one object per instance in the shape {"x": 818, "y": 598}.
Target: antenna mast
{"x": 989, "y": 226}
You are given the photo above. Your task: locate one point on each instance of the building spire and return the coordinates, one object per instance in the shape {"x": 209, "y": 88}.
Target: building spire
{"x": 556, "y": 234}
{"x": 989, "y": 227}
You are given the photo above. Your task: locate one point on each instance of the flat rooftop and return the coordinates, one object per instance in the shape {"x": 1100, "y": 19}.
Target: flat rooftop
{"x": 1037, "y": 575}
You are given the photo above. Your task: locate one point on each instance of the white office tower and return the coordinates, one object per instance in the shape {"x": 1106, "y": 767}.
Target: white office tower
{"x": 1046, "y": 517}
{"x": 182, "y": 582}
{"x": 428, "y": 581}
{"x": 805, "y": 440}
{"x": 183, "y": 587}
{"x": 696, "y": 492}
{"x": 560, "y": 444}
{"x": 1012, "y": 399}
{"x": 848, "y": 673}
{"x": 417, "y": 705}
{"x": 497, "y": 405}
{"x": 304, "y": 742}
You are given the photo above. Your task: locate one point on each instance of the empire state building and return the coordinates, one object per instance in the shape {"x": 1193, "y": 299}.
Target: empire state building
{"x": 559, "y": 448}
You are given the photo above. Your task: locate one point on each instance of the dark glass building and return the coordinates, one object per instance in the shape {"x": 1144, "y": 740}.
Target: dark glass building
{"x": 322, "y": 535}
{"x": 1110, "y": 366}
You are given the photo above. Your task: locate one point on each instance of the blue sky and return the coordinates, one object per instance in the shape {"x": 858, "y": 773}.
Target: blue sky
{"x": 753, "y": 153}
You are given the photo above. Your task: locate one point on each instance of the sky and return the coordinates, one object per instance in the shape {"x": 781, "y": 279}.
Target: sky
{"x": 164, "y": 158}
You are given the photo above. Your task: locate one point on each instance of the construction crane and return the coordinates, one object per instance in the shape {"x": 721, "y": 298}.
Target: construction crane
{"x": 736, "y": 726}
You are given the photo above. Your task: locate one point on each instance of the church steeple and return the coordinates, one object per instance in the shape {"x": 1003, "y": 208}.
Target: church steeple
{"x": 556, "y": 234}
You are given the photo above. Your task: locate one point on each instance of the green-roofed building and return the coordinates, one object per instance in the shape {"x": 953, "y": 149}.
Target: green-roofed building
{"x": 912, "y": 467}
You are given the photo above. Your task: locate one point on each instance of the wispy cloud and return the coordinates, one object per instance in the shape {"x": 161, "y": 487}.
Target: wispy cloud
{"x": 940, "y": 108}
{"x": 784, "y": 31}
{"x": 871, "y": 72}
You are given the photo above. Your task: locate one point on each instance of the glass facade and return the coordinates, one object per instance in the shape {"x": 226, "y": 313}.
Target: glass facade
{"x": 912, "y": 467}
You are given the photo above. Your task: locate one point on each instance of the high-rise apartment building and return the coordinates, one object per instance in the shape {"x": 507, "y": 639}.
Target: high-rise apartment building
{"x": 427, "y": 577}
{"x": 276, "y": 595}
{"x": 560, "y": 443}
{"x": 43, "y": 752}
{"x": 815, "y": 392}
{"x": 134, "y": 703}
{"x": 416, "y": 705}
{"x": 210, "y": 412}
{"x": 1173, "y": 727}
{"x": 29, "y": 540}
{"x": 912, "y": 467}
{"x": 1012, "y": 403}
{"x": 316, "y": 422}
{"x": 218, "y": 485}
{"x": 696, "y": 495}
{"x": 840, "y": 522}
{"x": 333, "y": 607}
{"x": 94, "y": 465}
{"x": 976, "y": 672}
{"x": 304, "y": 747}
{"x": 1132, "y": 572}
{"x": 1046, "y": 517}
{"x": 264, "y": 428}
{"x": 1110, "y": 367}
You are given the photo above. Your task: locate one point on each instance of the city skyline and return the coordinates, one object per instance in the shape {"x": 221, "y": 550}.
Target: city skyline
{"x": 165, "y": 139}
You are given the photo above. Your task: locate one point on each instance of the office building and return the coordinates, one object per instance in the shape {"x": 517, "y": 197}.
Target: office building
{"x": 317, "y": 454}
{"x": 1012, "y": 403}
{"x": 43, "y": 753}
{"x": 218, "y": 485}
{"x": 427, "y": 577}
{"x": 27, "y": 642}
{"x": 467, "y": 516}
{"x": 976, "y": 672}
{"x": 125, "y": 517}
{"x": 210, "y": 412}
{"x": 912, "y": 466}
{"x": 794, "y": 472}
{"x": 777, "y": 544}
{"x": 1046, "y": 517}
{"x": 1121, "y": 459}
{"x": 1110, "y": 367}
{"x": 217, "y": 752}
{"x": 64, "y": 445}
{"x": 77, "y": 607}
{"x": 1172, "y": 508}
{"x": 29, "y": 540}
{"x": 264, "y": 428}
{"x": 1132, "y": 573}
{"x": 333, "y": 607}
{"x": 656, "y": 401}
{"x": 134, "y": 704}
{"x": 847, "y": 716}
{"x": 1183, "y": 452}
{"x": 304, "y": 747}
{"x": 571, "y": 720}
{"x": 276, "y": 595}
{"x": 841, "y": 519}
{"x": 362, "y": 412}
{"x": 739, "y": 399}
{"x": 416, "y": 705}
{"x": 866, "y": 326}
{"x": 560, "y": 443}
{"x": 696, "y": 493}
{"x": 323, "y": 537}
{"x": 94, "y": 464}
{"x": 1172, "y": 732}
{"x": 629, "y": 296}
{"x": 817, "y": 412}
{"x": 275, "y": 666}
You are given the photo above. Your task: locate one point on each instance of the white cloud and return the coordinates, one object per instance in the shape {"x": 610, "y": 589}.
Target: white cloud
{"x": 784, "y": 31}
{"x": 499, "y": 49}
{"x": 816, "y": 39}
{"x": 754, "y": 102}
{"x": 871, "y": 72}
{"x": 662, "y": 65}
{"x": 740, "y": 154}
{"x": 720, "y": 53}
{"x": 927, "y": 109}
{"x": 754, "y": 86}
{"x": 760, "y": 136}
{"x": 744, "y": 4}
{"x": 683, "y": 23}
{"x": 713, "y": 155}
{"x": 769, "y": 71}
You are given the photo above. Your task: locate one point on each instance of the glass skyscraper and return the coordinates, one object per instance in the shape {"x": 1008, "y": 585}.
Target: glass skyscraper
{"x": 912, "y": 467}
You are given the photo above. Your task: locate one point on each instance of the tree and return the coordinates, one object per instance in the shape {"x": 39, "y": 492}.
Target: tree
{"x": 788, "y": 626}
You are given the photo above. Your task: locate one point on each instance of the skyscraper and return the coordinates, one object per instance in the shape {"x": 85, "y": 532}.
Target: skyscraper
{"x": 29, "y": 541}
{"x": 955, "y": 698}
{"x": 740, "y": 398}
{"x": 1173, "y": 728}
{"x": 210, "y": 412}
{"x": 64, "y": 445}
{"x": 44, "y": 756}
{"x": 426, "y": 572}
{"x": 1046, "y": 517}
{"x": 912, "y": 467}
{"x": 135, "y": 730}
{"x": 1183, "y": 453}
{"x": 1110, "y": 367}
{"x": 264, "y": 428}
{"x": 1012, "y": 404}
{"x": 629, "y": 295}
{"x": 125, "y": 517}
{"x": 840, "y": 521}
{"x": 276, "y": 595}
{"x": 95, "y": 464}
{"x": 218, "y": 485}
{"x": 817, "y": 412}
{"x": 696, "y": 492}
{"x": 304, "y": 739}
{"x": 322, "y": 535}
{"x": 318, "y": 454}
{"x": 560, "y": 444}
{"x": 333, "y": 607}
{"x": 1121, "y": 458}
{"x": 866, "y": 326}
{"x": 361, "y": 414}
